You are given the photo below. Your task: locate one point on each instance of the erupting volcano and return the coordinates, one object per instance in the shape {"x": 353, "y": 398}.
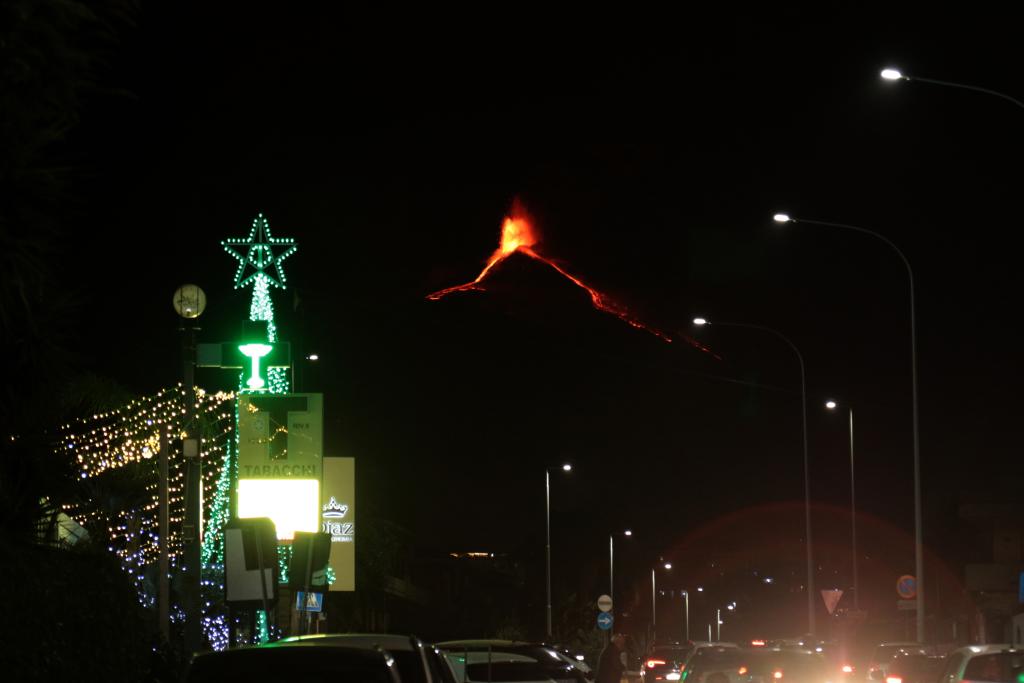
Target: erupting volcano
{"x": 517, "y": 235}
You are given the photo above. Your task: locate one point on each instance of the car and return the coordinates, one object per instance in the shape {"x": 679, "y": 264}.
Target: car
{"x": 294, "y": 662}
{"x": 417, "y": 662}
{"x": 718, "y": 665}
{"x": 668, "y": 661}
{"x": 915, "y": 668}
{"x": 984, "y": 663}
{"x": 510, "y": 661}
{"x": 783, "y": 665}
{"x": 884, "y": 653}
{"x": 577, "y": 657}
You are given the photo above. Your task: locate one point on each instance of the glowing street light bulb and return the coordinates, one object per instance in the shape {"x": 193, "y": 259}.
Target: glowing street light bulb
{"x": 782, "y": 218}
{"x": 628, "y": 532}
{"x": 891, "y": 74}
{"x": 700, "y": 321}
{"x": 312, "y": 356}
{"x": 668, "y": 565}
{"x": 567, "y": 467}
{"x": 830, "y": 405}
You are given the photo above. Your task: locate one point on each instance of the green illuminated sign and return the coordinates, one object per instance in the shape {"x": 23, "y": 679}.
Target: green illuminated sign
{"x": 255, "y": 352}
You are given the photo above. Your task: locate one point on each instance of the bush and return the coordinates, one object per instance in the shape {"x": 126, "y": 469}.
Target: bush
{"x": 72, "y": 614}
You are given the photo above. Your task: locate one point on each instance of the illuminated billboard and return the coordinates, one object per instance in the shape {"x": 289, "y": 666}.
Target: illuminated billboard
{"x": 287, "y": 502}
{"x": 338, "y": 518}
{"x": 280, "y": 436}
{"x": 280, "y": 460}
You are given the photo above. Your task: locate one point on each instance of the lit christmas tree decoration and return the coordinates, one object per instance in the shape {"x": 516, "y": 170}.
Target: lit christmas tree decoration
{"x": 128, "y": 440}
{"x": 259, "y": 251}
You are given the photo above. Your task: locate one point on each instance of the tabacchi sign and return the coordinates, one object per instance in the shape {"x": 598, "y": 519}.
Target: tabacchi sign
{"x": 280, "y": 460}
{"x": 280, "y": 436}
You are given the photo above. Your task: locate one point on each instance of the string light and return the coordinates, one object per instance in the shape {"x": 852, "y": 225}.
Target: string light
{"x": 130, "y": 437}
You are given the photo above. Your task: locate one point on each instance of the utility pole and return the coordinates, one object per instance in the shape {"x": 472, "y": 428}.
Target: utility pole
{"x": 189, "y": 302}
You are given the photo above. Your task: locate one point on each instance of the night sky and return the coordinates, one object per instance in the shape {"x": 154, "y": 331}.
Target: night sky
{"x": 651, "y": 152}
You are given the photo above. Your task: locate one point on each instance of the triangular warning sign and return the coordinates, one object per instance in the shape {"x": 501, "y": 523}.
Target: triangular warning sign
{"x": 831, "y": 598}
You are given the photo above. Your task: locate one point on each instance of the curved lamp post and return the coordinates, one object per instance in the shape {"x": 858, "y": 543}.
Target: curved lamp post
{"x": 832, "y": 405}
{"x": 547, "y": 506}
{"x": 918, "y": 545}
{"x": 611, "y": 562}
{"x": 891, "y": 74}
{"x": 807, "y": 479}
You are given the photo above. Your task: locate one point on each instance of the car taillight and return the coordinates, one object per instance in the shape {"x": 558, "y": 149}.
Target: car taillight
{"x": 893, "y": 679}
{"x": 757, "y": 643}
{"x": 651, "y": 663}
{"x": 742, "y": 670}
{"x": 847, "y": 669}
{"x": 777, "y": 675}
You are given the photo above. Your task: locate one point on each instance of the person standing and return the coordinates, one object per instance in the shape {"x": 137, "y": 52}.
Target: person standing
{"x": 612, "y": 663}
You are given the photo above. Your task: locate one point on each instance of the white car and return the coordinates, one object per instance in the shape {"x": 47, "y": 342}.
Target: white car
{"x": 416, "y": 661}
{"x": 505, "y": 661}
{"x": 984, "y": 664}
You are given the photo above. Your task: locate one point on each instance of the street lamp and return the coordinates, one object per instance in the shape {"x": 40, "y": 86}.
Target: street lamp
{"x": 831, "y": 405}
{"x": 891, "y": 74}
{"x": 807, "y": 478}
{"x": 611, "y": 563}
{"x": 686, "y": 612}
{"x": 654, "y": 598}
{"x": 918, "y": 537}
{"x": 547, "y": 506}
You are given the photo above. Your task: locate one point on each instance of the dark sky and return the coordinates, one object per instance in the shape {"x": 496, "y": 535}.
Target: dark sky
{"x": 652, "y": 151}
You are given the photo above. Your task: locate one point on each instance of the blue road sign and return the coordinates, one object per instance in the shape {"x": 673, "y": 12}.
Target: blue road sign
{"x": 1020, "y": 595}
{"x": 906, "y": 587}
{"x": 604, "y": 621}
{"x": 309, "y": 602}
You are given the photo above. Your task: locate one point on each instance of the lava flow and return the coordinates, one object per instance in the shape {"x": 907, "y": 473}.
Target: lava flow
{"x": 517, "y": 234}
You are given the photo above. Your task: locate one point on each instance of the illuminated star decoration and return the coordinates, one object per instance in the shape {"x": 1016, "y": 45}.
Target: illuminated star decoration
{"x": 260, "y": 254}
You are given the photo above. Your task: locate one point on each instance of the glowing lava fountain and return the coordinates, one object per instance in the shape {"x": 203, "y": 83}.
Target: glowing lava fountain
{"x": 517, "y": 235}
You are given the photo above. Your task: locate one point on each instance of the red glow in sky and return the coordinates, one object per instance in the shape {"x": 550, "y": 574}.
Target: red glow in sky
{"x": 517, "y": 234}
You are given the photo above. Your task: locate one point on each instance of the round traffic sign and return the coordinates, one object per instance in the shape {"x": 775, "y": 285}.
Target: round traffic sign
{"x": 906, "y": 586}
{"x": 604, "y": 621}
{"x": 604, "y": 603}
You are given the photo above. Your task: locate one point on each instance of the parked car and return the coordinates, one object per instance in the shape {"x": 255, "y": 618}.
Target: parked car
{"x": 984, "y": 663}
{"x": 294, "y": 662}
{"x": 417, "y": 662}
{"x": 507, "y": 661}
